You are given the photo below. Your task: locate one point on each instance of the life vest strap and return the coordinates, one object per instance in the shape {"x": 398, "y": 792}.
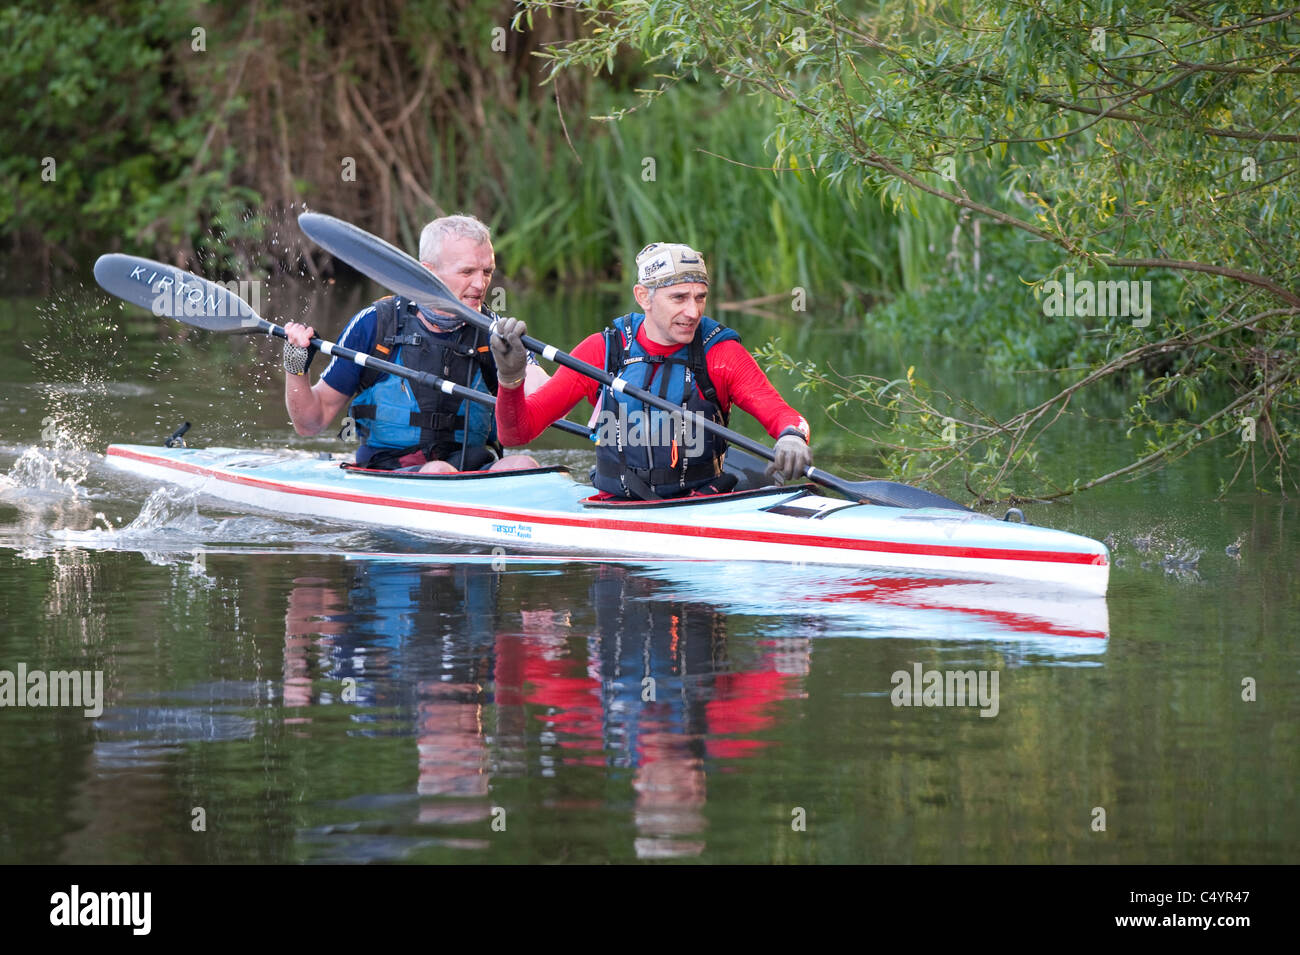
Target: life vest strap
{"x": 446, "y": 421}
{"x": 701, "y": 471}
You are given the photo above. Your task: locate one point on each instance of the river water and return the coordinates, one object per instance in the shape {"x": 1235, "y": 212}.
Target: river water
{"x": 281, "y": 690}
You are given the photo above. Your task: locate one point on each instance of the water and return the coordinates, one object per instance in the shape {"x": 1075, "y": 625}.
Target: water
{"x": 282, "y": 690}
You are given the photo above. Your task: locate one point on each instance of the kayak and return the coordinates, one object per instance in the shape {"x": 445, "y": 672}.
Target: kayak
{"x": 545, "y": 508}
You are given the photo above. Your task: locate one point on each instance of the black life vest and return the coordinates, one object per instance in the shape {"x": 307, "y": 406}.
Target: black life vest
{"x": 645, "y": 453}
{"x": 396, "y": 417}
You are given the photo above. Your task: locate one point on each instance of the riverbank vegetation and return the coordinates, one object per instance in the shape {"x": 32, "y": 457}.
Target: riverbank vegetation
{"x": 386, "y": 114}
{"x": 1148, "y": 148}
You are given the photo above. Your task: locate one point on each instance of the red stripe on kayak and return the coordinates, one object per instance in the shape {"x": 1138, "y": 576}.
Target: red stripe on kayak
{"x": 766, "y": 537}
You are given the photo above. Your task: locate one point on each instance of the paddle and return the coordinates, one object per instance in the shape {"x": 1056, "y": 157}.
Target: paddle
{"x": 394, "y": 269}
{"x": 168, "y": 291}
{"x": 752, "y": 473}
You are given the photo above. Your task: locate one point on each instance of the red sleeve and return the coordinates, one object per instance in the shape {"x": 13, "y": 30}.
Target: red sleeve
{"x": 521, "y": 419}
{"x": 740, "y": 381}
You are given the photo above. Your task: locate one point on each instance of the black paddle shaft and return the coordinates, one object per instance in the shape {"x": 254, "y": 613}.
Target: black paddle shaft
{"x": 425, "y": 378}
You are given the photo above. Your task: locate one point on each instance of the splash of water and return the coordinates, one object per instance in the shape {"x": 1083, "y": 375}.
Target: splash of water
{"x": 171, "y": 510}
{"x": 41, "y": 472}
{"x": 170, "y": 522}
{"x": 77, "y": 361}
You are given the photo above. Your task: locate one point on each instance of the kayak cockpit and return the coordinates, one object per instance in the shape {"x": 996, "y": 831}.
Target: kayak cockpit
{"x": 796, "y": 490}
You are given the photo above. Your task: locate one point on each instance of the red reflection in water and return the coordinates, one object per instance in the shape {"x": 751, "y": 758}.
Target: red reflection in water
{"x": 900, "y": 592}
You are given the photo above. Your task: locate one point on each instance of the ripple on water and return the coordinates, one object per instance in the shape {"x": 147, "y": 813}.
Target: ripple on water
{"x": 116, "y": 389}
{"x": 149, "y": 729}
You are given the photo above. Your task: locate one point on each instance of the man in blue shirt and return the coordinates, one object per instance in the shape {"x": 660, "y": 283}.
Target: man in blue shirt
{"x": 403, "y": 424}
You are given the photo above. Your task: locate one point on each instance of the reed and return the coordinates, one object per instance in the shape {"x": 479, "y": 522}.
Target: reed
{"x": 691, "y": 167}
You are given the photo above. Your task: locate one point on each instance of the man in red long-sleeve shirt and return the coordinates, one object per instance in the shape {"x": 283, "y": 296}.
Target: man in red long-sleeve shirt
{"x": 672, "y": 349}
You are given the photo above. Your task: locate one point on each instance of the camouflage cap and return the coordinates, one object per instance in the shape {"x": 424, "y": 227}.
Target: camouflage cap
{"x": 669, "y": 263}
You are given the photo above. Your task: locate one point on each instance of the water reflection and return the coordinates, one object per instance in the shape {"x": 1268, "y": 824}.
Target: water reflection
{"x": 388, "y": 707}
{"x": 546, "y": 671}
{"x": 493, "y": 689}
{"x": 671, "y": 698}
{"x": 843, "y": 602}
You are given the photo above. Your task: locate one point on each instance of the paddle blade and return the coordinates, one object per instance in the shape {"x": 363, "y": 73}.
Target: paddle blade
{"x": 893, "y": 494}
{"x": 170, "y": 292}
{"x": 752, "y": 471}
{"x": 385, "y": 263}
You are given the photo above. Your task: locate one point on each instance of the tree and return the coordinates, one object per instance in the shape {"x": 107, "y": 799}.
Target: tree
{"x": 197, "y": 132}
{"x": 1151, "y": 144}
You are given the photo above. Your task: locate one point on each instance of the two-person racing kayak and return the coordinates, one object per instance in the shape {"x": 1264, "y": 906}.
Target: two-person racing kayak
{"x": 876, "y": 524}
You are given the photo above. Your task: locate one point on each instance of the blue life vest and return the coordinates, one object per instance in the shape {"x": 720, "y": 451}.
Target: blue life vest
{"x": 642, "y": 452}
{"x": 396, "y": 417}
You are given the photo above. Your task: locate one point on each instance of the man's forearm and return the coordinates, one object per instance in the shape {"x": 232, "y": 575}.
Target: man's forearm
{"x": 303, "y": 405}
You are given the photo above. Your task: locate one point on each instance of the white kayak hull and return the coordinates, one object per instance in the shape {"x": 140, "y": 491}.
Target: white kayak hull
{"x": 547, "y": 509}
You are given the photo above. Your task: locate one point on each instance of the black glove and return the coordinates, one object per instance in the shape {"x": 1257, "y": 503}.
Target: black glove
{"x": 793, "y": 457}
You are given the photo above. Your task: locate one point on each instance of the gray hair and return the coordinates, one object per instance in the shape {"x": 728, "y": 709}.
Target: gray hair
{"x": 438, "y": 231}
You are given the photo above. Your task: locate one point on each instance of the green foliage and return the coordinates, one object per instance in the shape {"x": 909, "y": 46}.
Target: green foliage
{"x": 669, "y": 171}
{"x": 206, "y": 155}
{"x": 1127, "y": 139}
{"x": 999, "y": 313}
{"x": 198, "y": 147}
{"x": 104, "y": 138}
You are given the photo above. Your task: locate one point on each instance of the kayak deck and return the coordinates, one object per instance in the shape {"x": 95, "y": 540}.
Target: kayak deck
{"x": 545, "y": 507}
